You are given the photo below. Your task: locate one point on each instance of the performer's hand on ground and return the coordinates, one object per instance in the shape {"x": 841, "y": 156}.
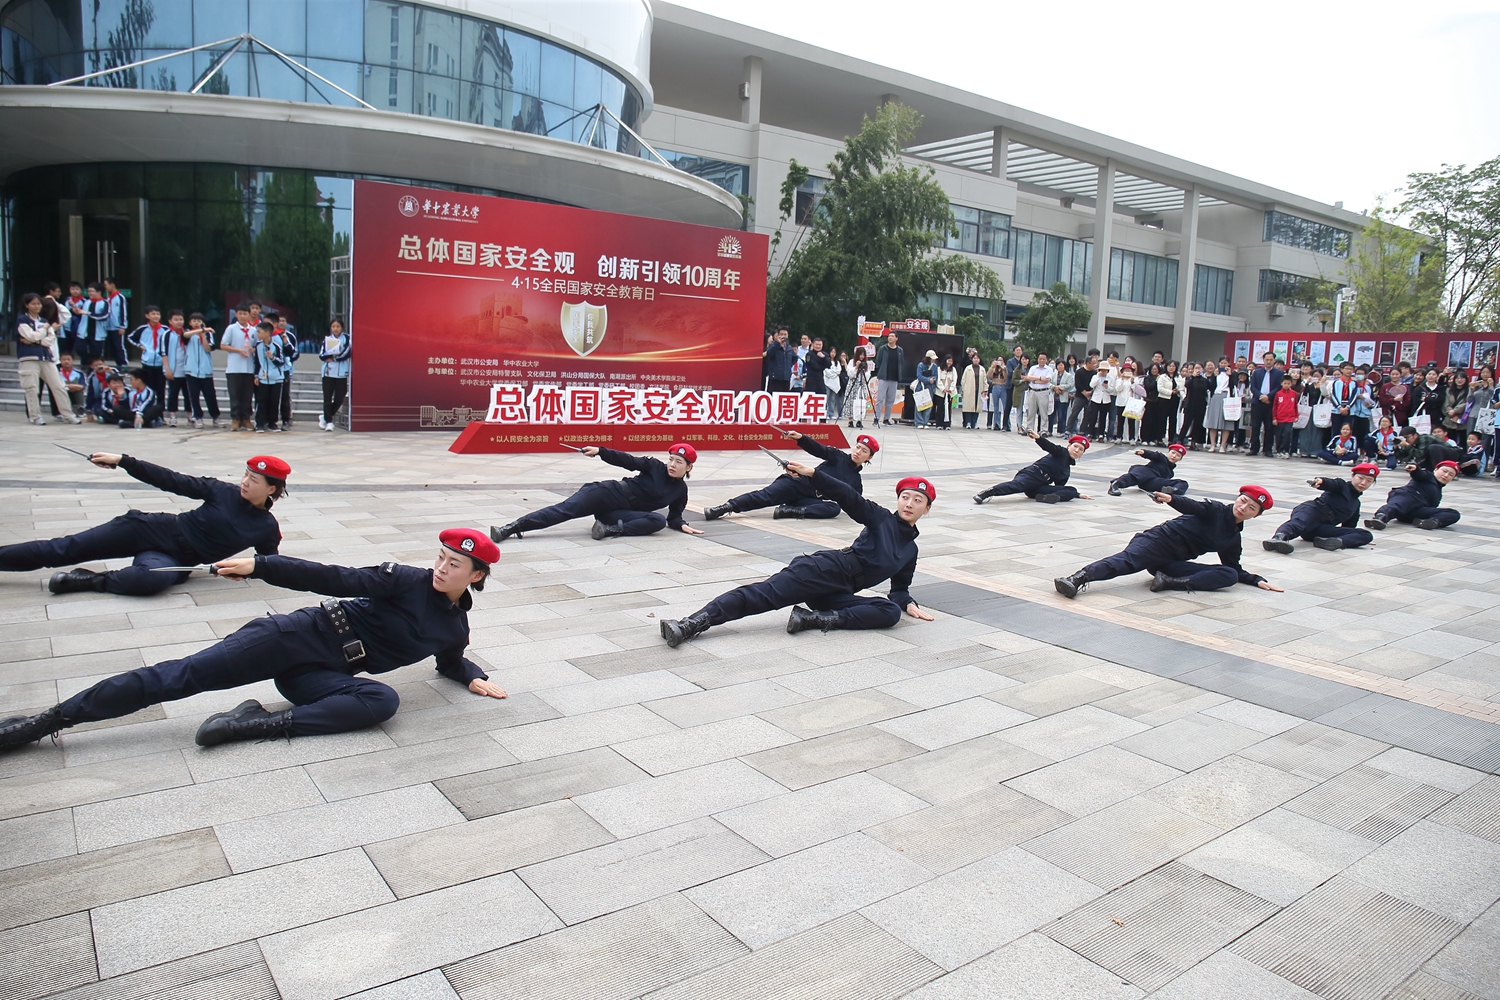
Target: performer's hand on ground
{"x": 1032, "y": 435}
{"x": 591, "y": 451}
{"x": 105, "y": 460}
{"x": 1161, "y": 497}
{"x": 917, "y": 613}
{"x": 791, "y": 435}
{"x": 798, "y": 469}
{"x": 688, "y": 529}
{"x": 1141, "y": 453}
{"x": 486, "y": 688}
{"x": 1263, "y": 585}
{"x": 1084, "y": 496}
{"x": 236, "y": 569}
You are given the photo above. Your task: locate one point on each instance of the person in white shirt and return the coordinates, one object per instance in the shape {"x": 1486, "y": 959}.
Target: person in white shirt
{"x": 238, "y": 343}
{"x": 1037, "y": 407}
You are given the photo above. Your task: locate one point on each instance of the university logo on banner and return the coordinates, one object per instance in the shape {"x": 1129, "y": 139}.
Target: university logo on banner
{"x": 583, "y": 326}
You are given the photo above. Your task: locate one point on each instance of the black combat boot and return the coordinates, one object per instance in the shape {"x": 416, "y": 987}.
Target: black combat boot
{"x": 1376, "y": 523}
{"x": 1331, "y": 544}
{"x": 803, "y": 619}
{"x": 500, "y": 534}
{"x": 76, "y": 580}
{"x": 1071, "y": 586}
{"x": 1048, "y": 498}
{"x": 982, "y": 496}
{"x": 1429, "y": 524}
{"x": 246, "y": 721}
{"x": 1114, "y": 488}
{"x": 1277, "y": 544}
{"x": 678, "y": 631}
{"x": 786, "y": 511}
{"x": 18, "y": 730}
{"x": 1162, "y": 581}
{"x": 717, "y": 511}
{"x": 601, "y": 531}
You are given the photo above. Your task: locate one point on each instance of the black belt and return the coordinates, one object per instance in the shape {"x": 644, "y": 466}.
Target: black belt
{"x": 354, "y": 650}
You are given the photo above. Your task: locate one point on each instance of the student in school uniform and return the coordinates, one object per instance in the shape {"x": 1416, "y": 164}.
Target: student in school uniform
{"x": 74, "y": 379}
{"x": 115, "y": 406}
{"x": 337, "y": 347}
{"x": 151, "y": 338}
{"x": 96, "y": 391}
{"x": 268, "y": 378}
{"x": 92, "y": 333}
{"x": 174, "y": 370}
{"x": 144, "y": 408}
{"x": 115, "y": 323}
{"x": 286, "y": 337}
{"x": 238, "y": 342}
{"x": 73, "y": 309}
{"x": 199, "y": 346}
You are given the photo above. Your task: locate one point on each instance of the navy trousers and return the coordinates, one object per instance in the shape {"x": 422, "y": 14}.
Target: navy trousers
{"x": 1033, "y": 487}
{"x": 1143, "y": 555}
{"x": 785, "y": 491}
{"x": 299, "y": 651}
{"x": 1307, "y": 523}
{"x": 1407, "y": 508}
{"x": 819, "y": 581}
{"x": 604, "y": 501}
{"x": 153, "y": 539}
{"x": 1140, "y": 475}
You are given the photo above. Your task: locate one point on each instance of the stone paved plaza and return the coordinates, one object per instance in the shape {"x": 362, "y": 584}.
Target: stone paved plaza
{"x": 1239, "y": 794}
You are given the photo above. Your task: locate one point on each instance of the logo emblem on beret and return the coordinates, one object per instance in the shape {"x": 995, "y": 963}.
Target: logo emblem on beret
{"x": 260, "y": 465}
{"x": 467, "y": 545}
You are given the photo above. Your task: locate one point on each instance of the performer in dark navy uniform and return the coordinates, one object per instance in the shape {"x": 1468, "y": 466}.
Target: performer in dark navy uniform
{"x": 1332, "y": 520}
{"x": 1167, "y": 550}
{"x": 1158, "y": 475}
{"x": 622, "y": 506}
{"x": 828, "y": 582}
{"x": 1418, "y": 501}
{"x": 231, "y": 519}
{"x": 1046, "y": 479}
{"x": 793, "y": 496}
{"x": 399, "y": 615}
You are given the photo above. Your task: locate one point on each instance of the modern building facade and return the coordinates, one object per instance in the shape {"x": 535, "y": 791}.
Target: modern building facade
{"x": 223, "y": 166}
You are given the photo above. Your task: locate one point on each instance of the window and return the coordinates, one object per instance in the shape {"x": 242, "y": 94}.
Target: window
{"x": 1042, "y": 260}
{"x": 948, "y": 307}
{"x": 1280, "y": 286}
{"x": 732, "y": 177}
{"x": 1213, "y": 289}
{"x": 1142, "y": 277}
{"x": 808, "y": 196}
{"x": 1304, "y": 234}
{"x": 980, "y": 232}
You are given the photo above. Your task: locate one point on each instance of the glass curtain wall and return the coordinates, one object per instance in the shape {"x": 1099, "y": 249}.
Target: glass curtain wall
{"x": 1142, "y": 277}
{"x": 1213, "y": 289}
{"x": 981, "y": 232}
{"x": 1043, "y": 260}
{"x": 1304, "y": 234}
{"x": 395, "y": 55}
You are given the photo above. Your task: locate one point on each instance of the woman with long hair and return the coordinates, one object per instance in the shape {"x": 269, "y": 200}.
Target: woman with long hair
{"x": 998, "y": 378}
{"x": 1154, "y": 420}
{"x": 1456, "y": 404}
{"x": 1220, "y": 380}
{"x": 942, "y": 396}
{"x": 857, "y": 388}
{"x": 1174, "y": 402}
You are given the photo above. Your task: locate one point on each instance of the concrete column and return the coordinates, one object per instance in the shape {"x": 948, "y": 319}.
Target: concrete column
{"x": 750, "y": 105}
{"x": 750, "y": 114}
{"x": 1104, "y": 210}
{"x": 1000, "y": 153}
{"x": 1186, "y": 262}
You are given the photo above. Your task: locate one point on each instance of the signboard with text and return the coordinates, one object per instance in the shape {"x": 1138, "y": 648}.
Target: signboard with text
{"x": 454, "y": 293}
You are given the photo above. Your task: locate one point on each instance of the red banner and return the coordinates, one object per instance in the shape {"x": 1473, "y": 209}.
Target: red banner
{"x": 452, "y": 293}
{"x": 490, "y": 439}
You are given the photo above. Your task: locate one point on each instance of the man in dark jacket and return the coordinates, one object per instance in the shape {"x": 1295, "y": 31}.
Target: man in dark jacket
{"x": 1046, "y": 479}
{"x": 1418, "y": 501}
{"x": 794, "y": 496}
{"x": 1158, "y": 475}
{"x": 829, "y": 581}
{"x": 1167, "y": 550}
{"x": 1265, "y": 381}
{"x": 778, "y": 358}
{"x": 889, "y": 363}
{"x": 814, "y": 365}
{"x": 1331, "y": 520}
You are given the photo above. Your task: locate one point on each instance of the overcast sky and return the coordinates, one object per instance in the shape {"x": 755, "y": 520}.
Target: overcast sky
{"x": 1332, "y": 100}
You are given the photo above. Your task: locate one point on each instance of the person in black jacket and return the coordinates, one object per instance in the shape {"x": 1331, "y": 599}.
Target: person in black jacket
{"x": 393, "y": 615}
{"x": 1418, "y": 501}
{"x": 793, "y": 496}
{"x": 1158, "y": 475}
{"x": 1046, "y": 479}
{"x": 622, "y": 506}
{"x": 777, "y": 361}
{"x": 231, "y": 519}
{"x": 1331, "y": 520}
{"x": 828, "y": 582}
{"x": 1167, "y": 550}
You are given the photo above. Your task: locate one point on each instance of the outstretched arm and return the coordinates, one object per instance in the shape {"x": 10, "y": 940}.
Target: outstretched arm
{"x": 853, "y": 503}
{"x": 318, "y": 578}
{"x": 816, "y": 449}
{"x": 163, "y": 478}
{"x": 1183, "y": 505}
{"x": 625, "y": 460}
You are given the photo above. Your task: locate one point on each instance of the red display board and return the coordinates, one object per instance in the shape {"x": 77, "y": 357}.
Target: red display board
{"x": 452, "y": 293}
{"x": 1379, "y": 350}
{"x": 493, "y": 439}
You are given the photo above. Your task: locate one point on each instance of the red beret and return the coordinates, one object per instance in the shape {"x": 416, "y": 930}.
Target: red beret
{"x": 868, "y": 442}
{"x": 1366, "y": 469}
{"x": 1449, "y": 463}
{"x": 470, "y": 542}
{"x": 1177, "y": 447}
{"x": 1259, "y": 494}
{"x": 1079, "y": 439}
{"x": 686, "y": 451}
{"x": 269, "y": 466}
{"x": 918, "y": 484}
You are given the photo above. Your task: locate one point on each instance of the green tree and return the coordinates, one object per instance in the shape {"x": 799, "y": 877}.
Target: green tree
{"x": 292, "y": 250}
{"x": 1051, "y": 319}
{"x": 1459, "y": 210}
{"x": 1397, "y": 289}
{"x": 868, "y": 247}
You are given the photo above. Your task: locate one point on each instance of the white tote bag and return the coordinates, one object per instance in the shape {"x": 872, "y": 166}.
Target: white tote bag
{"x": 1304, "y": 415}
{"x": 1233, "y": 408}
{"x": 1322, "y": 414}
{"x": 1135, "y": 408}
{"x": 831, "y": 380}
{"x": 922, "y": 399}
{"x": 1423, "y": 423}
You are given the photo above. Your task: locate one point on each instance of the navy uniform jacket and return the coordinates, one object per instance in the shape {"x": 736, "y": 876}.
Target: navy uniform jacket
{"x": 653, "y": 489}
{"x": 1424, "y": 486}
{"x": 835, "y": 462}
{"x": 1206, "y": 526}
{"x": 226, "y": 523}
{"x": 1158, "y": 465}
{"x": 395, "y": 612}
{"x": 1053, "y": 468}
{"x": 887, "y": 547}
{"x": 1338, "y": 504}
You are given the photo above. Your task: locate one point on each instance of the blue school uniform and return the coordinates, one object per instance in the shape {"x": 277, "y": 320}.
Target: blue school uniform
{"x": 336, "y": 362}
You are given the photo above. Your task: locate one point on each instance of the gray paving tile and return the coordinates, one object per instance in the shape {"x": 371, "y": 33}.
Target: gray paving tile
{"x": 954, "y": 722}
{"x": 796, "y": 820}
{"x": 1114, "y": 845}
{"x": 1224, "y": 974}
{"x": 1028, "y": 969}
{"x": 1314, "y": 751}
{"x": 484, "y": 793}
{"x": 67, "y": 885}
{"x": 811, "y": 719}
{"x": 963, "y": 830}
{"x": 320, "y": 829}
{"x": 44, "y": 791}
{"x": 1369, "y": 802}
{"x": 825, "y": 682}
{"x": 46, "y": 957}
{"x": 136, "y": 933}
{"x": 613, "y": 692}
{"x": 1091, "y": 781}
{"x": 724, "y": 703}
{"x": 1421, "y": 986}
{"x": 945, "y": 686}
{"x": 812, "y": 761}
{"x": 37, "y": 837}
{"x": 1158, "y": 926}
{"x": 1279, "y": 856}
{"x": 1051, "y": 695}
{"x": 1427, "y": 770}
{"x": 581, "y": 732}
{"x": 431, "y": 985}
{"x": 234, "y": 759}
{"x": 953, "y": 772}
{"x": 969, "y": 912}
{"x": 614, "y": 957}
{"x": 845, "y": 959}
{"x": 1160, "y": 702}
{"x": 1437, "y": 868}
{"x": 464, "y": 852}
{"x": 627, "y": 872}
{"x": 1076, "y": 731}
{"x": 1476, "y": 811}
{"x": 235, "y": 973}
{"x": 1263, "y": 720}
{"x": 654, "y": 803}
{"x": 1191, "y": 742}
{"x": 1346, "y": 941}
{"x": 472, "y": 715}
{"x": 1230, "y": 791}
{"x": 373, "y": 947}
{"x": 1469, "y": 961}
{"x": 705, "y": 744}
{"x": 414, "y": 764}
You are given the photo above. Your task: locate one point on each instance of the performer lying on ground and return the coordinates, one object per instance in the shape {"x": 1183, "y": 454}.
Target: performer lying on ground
{"x": 1330, "y": 521}
{"x": 828, "y": 582}
{"x": 622, "y": 506}
{"x": 1046, "y": 479}
{"x": 1417, "y": 502}
{"x": 231, "y": 519}
{"x": 401, "y": 615}
{"x": 793, "y": 496}
{"x": 1158, "y": 475}
{"x": 1166, "y": 550}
